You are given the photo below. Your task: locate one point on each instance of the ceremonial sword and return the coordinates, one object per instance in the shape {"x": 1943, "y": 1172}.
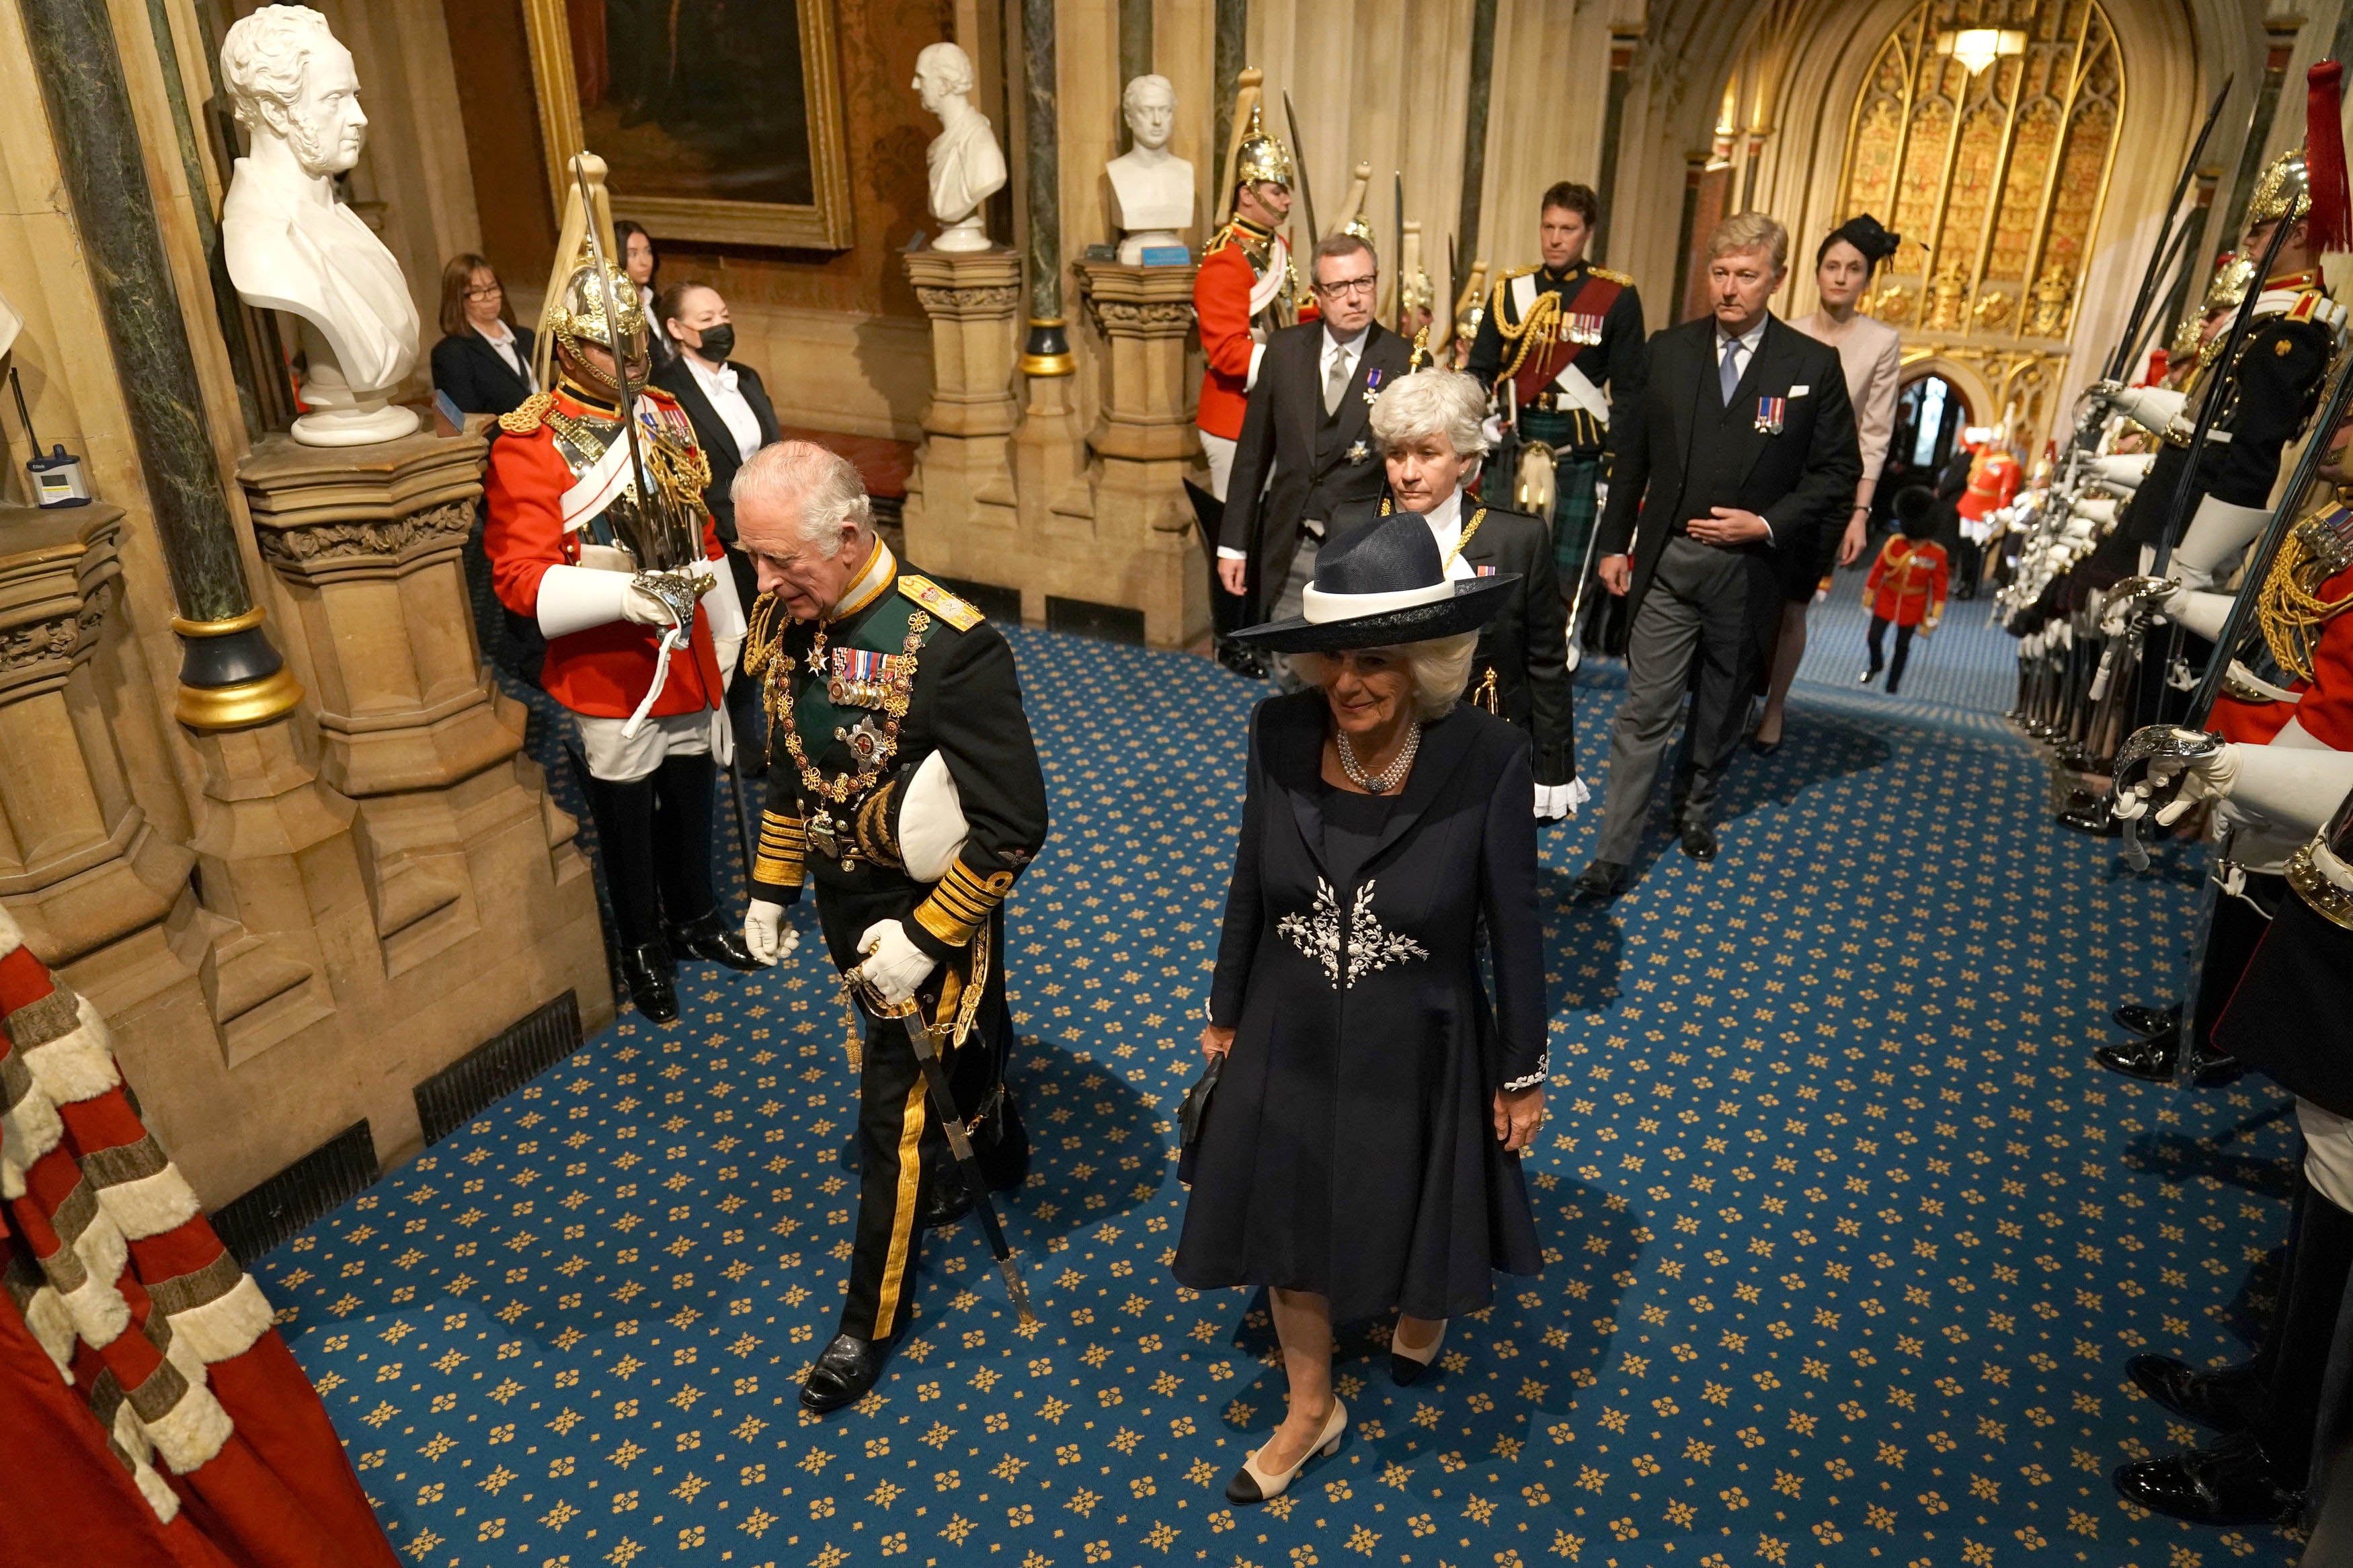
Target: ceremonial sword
{"x": 1298, "y": 166}
{"x": 2146, "y": 294}
{"x": 926, "y": 1040}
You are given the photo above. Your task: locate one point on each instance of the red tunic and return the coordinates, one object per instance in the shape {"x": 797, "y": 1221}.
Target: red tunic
{"x": 1908, "y": 582}
{"x": 606, "y": 670}
{"x": 1221, "y": 304}
{"x": 1993, "y": 483}
{"x": 2327, "y": 710}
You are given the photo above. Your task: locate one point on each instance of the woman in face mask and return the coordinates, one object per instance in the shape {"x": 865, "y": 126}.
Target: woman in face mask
{"x": 733, "y": 419}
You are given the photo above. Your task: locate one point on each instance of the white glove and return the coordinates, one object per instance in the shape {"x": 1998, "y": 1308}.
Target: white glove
{"x": 1555, "y": 801}
{"x": 2202, "y": 778}
{"x": 767, "y": 934}
{"x": 893, "y": 964}
{"x": 643, "y": 609}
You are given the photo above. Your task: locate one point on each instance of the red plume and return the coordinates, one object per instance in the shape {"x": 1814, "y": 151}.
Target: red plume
{"x": 2324, "y": 158}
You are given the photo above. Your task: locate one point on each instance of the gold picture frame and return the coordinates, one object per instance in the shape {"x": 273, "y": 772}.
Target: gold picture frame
{"x": 821, "y": 222}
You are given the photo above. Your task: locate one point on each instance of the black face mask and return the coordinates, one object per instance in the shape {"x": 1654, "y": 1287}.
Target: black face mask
{"x": 718, "y": 343}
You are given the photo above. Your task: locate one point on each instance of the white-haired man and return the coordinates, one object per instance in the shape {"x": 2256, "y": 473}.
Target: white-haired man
{"x": 1430, "y": 427}
{"x": 1744, "y": 438}
{"x": 906, "y": 786}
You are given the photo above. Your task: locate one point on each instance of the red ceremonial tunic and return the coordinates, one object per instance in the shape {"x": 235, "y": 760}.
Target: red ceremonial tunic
{"x": 1993, "y": 484}
{"x": 2327, "y": 710}
{"x": 1908, "y": 582}
{"x": 606, "y": 670}
{"x": 1221, "y": 304}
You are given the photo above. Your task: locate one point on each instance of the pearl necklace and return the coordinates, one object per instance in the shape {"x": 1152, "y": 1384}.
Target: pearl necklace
{"x": 1388, "y": 778}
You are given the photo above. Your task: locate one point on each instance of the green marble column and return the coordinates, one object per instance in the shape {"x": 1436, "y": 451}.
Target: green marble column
{"x": 1233, "y": 36}
{"x": 1474, "y": 140}
{"x": 230, "y": 676}
{"x": 1047, "y": 350}
{"x": 1613, "y": 130}
{"x": 1135, "y": 40}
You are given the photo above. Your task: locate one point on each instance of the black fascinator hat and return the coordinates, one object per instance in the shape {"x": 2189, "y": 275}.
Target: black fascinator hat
{"x": 1866, "y": 234}
{"x": 1382, "y": 584}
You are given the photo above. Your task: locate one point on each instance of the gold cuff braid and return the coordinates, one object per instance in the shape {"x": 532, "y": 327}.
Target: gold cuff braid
{"x": 960, "y": 905}
{"x": 784, "y": 847}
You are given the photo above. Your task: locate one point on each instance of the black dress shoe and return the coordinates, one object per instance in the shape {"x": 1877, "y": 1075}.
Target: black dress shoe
{"x": 2146, "y": 1022}
{"x": 1699, "y": 841}
{"x": 843, "y": 1374}
{"x": 2230, "y": 1483}
{"x": 2156, "y": 1058}
{"x": 2219, "y": 1399}
{"x": 645, "y": 971}
{"x": 707, "y": 938}
{"x": 1600, "y": 879}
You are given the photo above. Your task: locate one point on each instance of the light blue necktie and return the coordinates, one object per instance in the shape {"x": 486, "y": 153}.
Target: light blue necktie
{"x": 1729, "y": 375}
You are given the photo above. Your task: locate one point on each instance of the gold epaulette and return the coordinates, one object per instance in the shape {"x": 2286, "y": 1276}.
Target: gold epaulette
{"x": 939, "y": 600}
{"x": 529, "y": 416}
{"x": 1620, "y": 278}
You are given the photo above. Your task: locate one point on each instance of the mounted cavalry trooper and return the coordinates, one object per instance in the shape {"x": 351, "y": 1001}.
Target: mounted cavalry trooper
{"x": 906, "y": 787}
{"x": 605, "y": 543}
{"x": 1552, "y": 337}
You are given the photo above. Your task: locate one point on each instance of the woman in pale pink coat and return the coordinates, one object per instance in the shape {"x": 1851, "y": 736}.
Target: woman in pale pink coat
{"x": 1872, "y": 353}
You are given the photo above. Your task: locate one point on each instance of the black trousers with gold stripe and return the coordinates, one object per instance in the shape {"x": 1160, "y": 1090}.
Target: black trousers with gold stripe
{"x": 901, "y": 1145}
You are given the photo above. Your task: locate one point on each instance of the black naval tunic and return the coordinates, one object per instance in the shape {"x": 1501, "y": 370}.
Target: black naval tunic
{"x": 2268, "y": 395}
{"x": 906, "y": 669}
{"x": 1616, "y": 362}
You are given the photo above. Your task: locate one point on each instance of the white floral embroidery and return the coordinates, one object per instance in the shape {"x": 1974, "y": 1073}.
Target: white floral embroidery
{"x": 1369, "y": 946}
{"x": 1544, "y": 1067}
{"x": 1317, "y": 936}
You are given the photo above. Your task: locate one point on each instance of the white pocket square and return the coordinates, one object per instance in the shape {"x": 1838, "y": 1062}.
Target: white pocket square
{"x": 1801, "y": 389}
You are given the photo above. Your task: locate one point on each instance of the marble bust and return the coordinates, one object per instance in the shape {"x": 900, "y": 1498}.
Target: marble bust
{"x": 1151, "y": 187}
{"x": 966, "y": 167}
{"x": 292, "y": 247}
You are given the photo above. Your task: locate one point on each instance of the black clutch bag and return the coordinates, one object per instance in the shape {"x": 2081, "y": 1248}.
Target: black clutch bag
{"x": 1194, "y": 1112}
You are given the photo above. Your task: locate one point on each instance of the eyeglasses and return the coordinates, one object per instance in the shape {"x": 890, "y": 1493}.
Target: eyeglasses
{"x": 491, "y": 292}
{"x": 1346, "y": 286}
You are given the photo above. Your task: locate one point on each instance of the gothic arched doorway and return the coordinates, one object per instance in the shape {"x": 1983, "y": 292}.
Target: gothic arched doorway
{"x": 1931, "y": 412}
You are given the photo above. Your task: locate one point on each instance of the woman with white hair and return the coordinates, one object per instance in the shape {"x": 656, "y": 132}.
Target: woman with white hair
{"x": 1358, "y": 1156}
{"x": 1431, "y": 428}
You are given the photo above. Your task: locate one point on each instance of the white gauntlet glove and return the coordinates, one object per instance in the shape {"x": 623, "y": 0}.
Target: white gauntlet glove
{"x": 1556, "y": 802}
{"x": 893, "y": 964}
{"x": 765, "y": 933}
{"x": 2200, "y": 778}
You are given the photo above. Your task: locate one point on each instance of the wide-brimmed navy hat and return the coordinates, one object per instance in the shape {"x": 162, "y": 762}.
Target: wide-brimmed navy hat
{"x": 1381, "y": 585}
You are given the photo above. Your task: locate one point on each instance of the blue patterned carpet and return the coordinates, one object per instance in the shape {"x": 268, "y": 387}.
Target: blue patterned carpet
{"x": 1970, "y": 665}
{"x": 1847, "y": 1241}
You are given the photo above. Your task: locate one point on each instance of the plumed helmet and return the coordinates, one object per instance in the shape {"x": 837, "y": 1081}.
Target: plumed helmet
{"x": 2282, "y": 191}
{"x": 1262, "y": 156}
{"x": 2231, "y": 280}
{"x": 575, "y": 314}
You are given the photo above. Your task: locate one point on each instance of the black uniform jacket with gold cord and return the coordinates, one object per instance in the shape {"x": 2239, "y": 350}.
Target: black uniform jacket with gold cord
{"x": 2268, "y": 394}
{"x": 907, "y": 669}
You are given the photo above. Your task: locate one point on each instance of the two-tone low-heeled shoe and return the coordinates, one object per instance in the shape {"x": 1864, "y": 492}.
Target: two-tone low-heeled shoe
{"x": 1407, "y": 1364}
{"x": 1252, "y": 1484}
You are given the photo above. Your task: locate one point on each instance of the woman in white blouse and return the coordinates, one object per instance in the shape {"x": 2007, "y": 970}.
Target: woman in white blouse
{"x": 1872, "y": 353}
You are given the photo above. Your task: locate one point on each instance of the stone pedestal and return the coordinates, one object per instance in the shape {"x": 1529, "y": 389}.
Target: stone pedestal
{"x": 1144, "y": 443}
{"x": 961, "y": 508}
{"x": 80, "y": 866}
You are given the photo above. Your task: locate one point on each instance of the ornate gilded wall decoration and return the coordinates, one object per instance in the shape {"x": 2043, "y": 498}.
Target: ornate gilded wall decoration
{"x": 1994, "y": 177}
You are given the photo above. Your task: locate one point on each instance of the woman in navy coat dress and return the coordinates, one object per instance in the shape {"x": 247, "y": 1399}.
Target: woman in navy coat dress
{"x": 1359, "y": 1154}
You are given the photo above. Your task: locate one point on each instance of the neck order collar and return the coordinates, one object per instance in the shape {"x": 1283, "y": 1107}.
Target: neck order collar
{"x": 873, "y": 578}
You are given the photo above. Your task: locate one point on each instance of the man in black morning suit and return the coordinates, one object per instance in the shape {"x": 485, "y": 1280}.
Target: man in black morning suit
{"x": 1744, "y": 437}
{"x": 1306, "y": 446}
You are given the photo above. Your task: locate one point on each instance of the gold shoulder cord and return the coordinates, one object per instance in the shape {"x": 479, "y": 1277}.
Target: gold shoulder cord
{"x": 1537, "y": 329}
{"x": 2292, "y": 613}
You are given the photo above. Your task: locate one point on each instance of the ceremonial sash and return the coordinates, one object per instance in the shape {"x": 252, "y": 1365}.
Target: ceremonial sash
{"x": 1268, "y": 286}
{"x": 1552, "y": 365}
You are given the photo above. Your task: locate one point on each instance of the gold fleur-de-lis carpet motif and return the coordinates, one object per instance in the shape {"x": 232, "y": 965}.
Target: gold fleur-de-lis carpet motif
{"x": 1846, "y": 1239}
